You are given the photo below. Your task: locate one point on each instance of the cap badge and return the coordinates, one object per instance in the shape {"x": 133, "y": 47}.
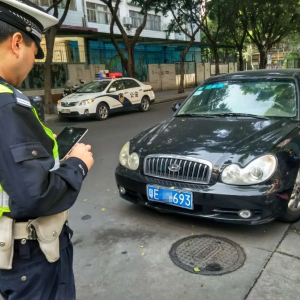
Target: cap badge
{"x": 28, "y": 28}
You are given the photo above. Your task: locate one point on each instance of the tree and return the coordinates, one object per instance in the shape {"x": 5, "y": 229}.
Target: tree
{"x": 129, "y": 41}
{"x": 215, "y": 24}
{"x": 236, "y": 30}
{"x": 267, "y": 22}
{"x": 186, "y": 19}
{"x": 50, "y": 39}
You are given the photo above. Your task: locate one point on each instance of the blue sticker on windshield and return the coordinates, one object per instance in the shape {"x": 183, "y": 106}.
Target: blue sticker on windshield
{"x": 214, "y": 86}
{"x": 219, "y": 85}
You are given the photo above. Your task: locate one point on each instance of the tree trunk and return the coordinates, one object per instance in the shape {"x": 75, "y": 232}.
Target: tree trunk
{"x": 130, "y": 63}
{"x": 262, "y": 59}
{"x": 216, "y": 57}
{"x": 50, "y": 39}
{"x": 241, "y": 59}
{"x": 182, "y": 72}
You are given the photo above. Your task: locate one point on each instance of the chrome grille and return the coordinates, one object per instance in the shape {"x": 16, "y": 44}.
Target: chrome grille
{"x": 178, "y": 168}
{"x": 68, "y": 104}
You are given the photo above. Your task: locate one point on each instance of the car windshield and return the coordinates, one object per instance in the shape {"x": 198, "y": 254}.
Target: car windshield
{"x": 94, "y": 87}
{"x": 267, "y": 98}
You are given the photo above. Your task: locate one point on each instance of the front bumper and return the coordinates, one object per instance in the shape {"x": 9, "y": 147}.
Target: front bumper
{"x": 219, "y": 202}
{"x": 75, "y": 111}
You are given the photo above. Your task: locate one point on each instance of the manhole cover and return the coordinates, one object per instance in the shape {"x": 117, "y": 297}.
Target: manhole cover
{"x": 207, "y": 255}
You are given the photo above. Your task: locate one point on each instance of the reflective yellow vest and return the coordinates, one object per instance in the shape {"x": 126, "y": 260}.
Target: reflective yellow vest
{"x": 4, "y": 198}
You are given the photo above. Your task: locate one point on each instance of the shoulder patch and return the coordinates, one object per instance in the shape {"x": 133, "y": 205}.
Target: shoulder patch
{"x": 22, "y": 99}
{"x": 5, "y": 90}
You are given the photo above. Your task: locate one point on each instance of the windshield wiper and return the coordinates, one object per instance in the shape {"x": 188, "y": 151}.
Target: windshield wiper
{"x": 196, "y": 115}
{"x": 240, "y": 115}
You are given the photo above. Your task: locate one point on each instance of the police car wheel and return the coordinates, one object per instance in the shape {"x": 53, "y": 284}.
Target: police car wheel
{"x": 102, "y": 112}
{"x": 145, "y": 104}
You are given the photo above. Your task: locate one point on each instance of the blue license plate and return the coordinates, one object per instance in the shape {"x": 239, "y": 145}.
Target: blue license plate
{"x": 170, "y": 196}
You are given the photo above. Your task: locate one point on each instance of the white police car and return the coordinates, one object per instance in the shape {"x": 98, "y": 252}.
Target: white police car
{"x": 106, "y": 95}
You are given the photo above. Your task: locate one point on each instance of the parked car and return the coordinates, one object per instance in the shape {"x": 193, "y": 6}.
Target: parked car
{"x": 104, "y": 96}
{"x": 231, "y": 152}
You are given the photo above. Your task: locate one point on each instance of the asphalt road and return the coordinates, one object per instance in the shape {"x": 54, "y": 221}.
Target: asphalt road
{"x": 122, "y": 250}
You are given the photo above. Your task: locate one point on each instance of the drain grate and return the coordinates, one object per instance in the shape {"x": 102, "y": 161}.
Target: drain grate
{"x": 207, "y": 255}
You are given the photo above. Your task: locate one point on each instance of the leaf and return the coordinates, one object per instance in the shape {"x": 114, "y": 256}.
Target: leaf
{"x": 143, "y": 254}
{"x": 187, "y": 244}
{"x": 84, "y": 200}
{"x": 103, "y": 209}
{"x": 197, "y": 270}
{"x": 142, "y": 246}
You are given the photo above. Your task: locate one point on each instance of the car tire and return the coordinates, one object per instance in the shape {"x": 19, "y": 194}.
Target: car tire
{"x": 145, "y": 104}
{"x": 102, "y": 111}
{"x": 291, "y": 213}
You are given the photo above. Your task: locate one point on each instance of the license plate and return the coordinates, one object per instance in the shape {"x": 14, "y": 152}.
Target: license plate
{"x": 169, "y": 196}
{"x": 65, "y": 111}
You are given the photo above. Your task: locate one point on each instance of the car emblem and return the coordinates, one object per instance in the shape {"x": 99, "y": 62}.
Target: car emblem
{"x": 174, "y": 168}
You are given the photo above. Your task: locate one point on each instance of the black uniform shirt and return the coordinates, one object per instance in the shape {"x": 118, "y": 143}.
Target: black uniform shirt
{"x": 26, "y": 158}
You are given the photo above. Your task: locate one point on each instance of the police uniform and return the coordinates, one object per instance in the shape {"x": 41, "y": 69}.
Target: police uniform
{"x": 33, "y": 184}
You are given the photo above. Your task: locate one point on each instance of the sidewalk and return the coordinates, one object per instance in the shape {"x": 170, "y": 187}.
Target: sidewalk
{"x": 280, "y": 277}
{"x": 161, "y": 97}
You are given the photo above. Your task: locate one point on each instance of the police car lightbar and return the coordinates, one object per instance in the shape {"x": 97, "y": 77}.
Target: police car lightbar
{"x": 115, "y": 75}
{"x": 109, "y": 75}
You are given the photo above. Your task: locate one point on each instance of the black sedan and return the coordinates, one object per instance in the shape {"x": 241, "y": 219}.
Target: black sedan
{"x": 231, "y": 152}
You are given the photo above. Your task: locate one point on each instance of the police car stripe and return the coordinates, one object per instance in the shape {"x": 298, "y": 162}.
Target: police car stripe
{"x": 56, "y": 165}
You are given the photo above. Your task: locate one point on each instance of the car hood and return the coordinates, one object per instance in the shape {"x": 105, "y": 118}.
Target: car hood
{"x": 79, "y": 97}
{"x": 219, "y": 140}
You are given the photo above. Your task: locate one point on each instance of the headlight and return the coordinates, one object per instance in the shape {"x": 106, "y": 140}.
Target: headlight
{"x": 259, "y": 170}
{"x": 129, "y": 161}
{"x": 85, "y": 102}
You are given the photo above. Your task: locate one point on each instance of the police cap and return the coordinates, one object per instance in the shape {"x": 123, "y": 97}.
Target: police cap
{"x": 28, "y": 18}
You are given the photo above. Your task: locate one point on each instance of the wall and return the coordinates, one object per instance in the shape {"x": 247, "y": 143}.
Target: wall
{"x": 75, "y": 73}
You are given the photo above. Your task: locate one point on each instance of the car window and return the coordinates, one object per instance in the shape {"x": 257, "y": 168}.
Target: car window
{"x": 270, "y": 98}
{"x": 94, "y": 87}
{"x": 129, "y": 84}
{"x": 118, "y": 84}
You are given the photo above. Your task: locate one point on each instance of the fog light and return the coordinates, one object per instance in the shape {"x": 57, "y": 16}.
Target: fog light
{"x": 122, "y": 190}
{"x": 86, "y": 112}
{"x": 245, "y": 214}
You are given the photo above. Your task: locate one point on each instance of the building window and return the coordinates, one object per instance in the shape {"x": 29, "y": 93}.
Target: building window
{"x": 98, "y": 13}
{"x": 153, "y": 21}
{"x": 47, "y": 3}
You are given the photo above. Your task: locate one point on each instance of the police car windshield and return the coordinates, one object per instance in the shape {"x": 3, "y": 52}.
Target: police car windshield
{"x": 94, "y": 87}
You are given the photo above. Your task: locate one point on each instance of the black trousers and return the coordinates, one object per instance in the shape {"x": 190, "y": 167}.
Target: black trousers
{"x": 34, "y": 278}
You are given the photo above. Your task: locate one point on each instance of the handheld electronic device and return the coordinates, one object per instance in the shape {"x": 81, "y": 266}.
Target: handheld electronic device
{"x": 68, "y": 138}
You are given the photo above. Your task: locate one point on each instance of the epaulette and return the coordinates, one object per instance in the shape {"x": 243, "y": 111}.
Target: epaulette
{"x": 20, "y": 98}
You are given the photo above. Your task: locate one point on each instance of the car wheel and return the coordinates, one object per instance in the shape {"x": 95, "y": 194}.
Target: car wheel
{"x": 145, "y": 104}
{"x": 102, "y": 112}
{"x": 292, "y": 211}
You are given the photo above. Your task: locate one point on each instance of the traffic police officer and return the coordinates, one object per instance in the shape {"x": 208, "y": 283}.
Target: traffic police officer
{"x": 36, "y": 190}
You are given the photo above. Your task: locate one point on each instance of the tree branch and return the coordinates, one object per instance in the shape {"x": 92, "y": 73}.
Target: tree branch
{"x": 63, "y": 17}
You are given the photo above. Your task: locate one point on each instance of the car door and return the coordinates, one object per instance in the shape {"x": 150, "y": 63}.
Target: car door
{"x": 133, "y": 91}
{"x": 116, "y": 92}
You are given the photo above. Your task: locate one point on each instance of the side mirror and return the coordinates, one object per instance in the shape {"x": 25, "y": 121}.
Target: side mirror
{"x": 112, "y": 90}
{"x": 176, "y": 105}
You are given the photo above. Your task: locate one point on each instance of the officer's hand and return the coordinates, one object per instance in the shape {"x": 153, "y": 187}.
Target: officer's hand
{"x": 84, "y": 153}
